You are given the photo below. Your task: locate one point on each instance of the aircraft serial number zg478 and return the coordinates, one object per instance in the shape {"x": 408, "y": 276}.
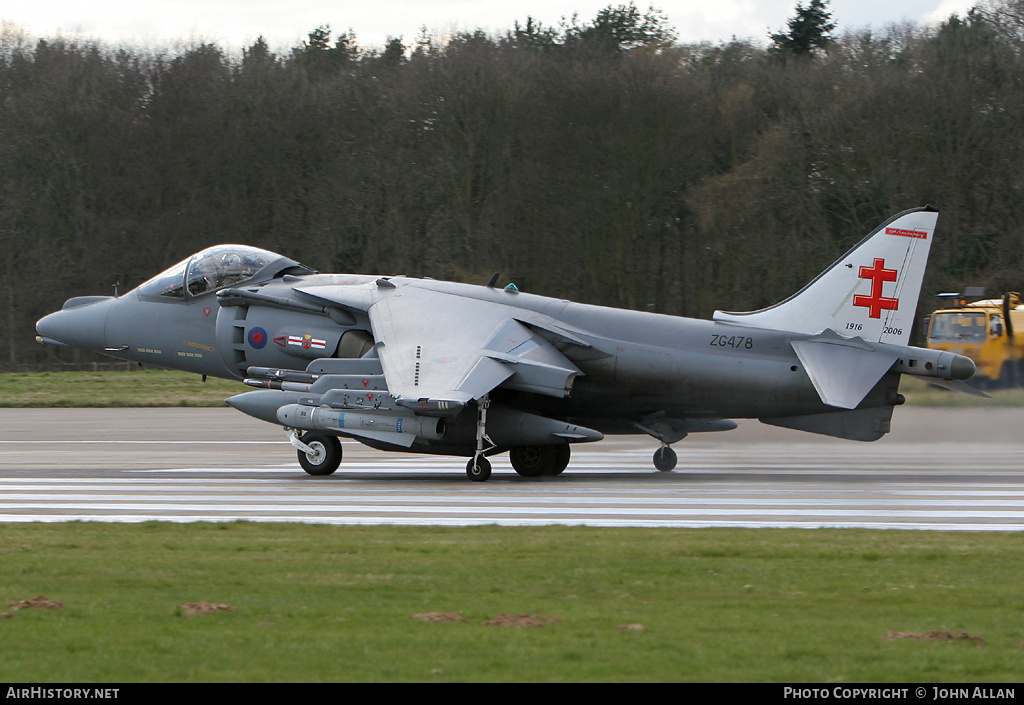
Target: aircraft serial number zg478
{"x": 733, "y": 341}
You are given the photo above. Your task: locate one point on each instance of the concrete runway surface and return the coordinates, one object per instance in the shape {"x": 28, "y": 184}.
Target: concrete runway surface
{"x": 940, "y": 469}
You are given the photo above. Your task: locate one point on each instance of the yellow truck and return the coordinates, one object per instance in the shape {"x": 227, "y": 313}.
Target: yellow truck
{"x": 983, "y": 330}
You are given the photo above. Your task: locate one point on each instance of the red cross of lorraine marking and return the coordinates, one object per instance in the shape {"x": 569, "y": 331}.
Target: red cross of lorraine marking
{"x": 878, "y": 275}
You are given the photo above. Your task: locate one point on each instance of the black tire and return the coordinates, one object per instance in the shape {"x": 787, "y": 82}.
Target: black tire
{"x": 327, "y": 453}
{"x": 530, "y": 461}
{"x": 480, "y": 470}
{"x": 538, "y": 461}
{"x": 665, "y": 459}
{"x": 562, "y": 454}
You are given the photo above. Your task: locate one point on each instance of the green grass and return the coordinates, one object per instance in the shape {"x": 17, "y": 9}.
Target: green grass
{"x": 155, "y": 387}
{"x": 148, "y": 387}
{"x": 328, "y": 603}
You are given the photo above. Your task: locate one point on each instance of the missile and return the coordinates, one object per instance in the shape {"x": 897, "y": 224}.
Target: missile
{"x": 282, "y": 375}
{"x": 360, "y": 423}
{"x": 320, "y": 385}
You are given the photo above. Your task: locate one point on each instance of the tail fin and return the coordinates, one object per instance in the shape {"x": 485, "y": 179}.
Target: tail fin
{"x": 871, "y": 292}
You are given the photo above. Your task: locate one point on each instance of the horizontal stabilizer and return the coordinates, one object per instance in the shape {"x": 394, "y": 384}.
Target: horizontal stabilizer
{"x": 955, "y": 385}
{"x": 842, "y": 370}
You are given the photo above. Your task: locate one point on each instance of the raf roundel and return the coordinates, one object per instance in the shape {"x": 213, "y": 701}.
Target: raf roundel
{"x": 257, "y": 337}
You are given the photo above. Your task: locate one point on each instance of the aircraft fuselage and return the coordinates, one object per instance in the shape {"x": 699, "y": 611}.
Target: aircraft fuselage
{"x": 441, "y": 367}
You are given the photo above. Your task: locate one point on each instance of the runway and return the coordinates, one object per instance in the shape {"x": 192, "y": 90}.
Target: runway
{"x": 940, "y": 469}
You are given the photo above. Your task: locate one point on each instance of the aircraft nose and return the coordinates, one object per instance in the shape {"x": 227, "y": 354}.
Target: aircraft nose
{"x": 76, "y": 326}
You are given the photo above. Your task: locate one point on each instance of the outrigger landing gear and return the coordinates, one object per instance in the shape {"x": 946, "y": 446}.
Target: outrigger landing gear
{"x": 479, "y": 468}
{"x": 665, "y": 459}
{"x": 658, "y": 425}
{"x": 319, "y": 453}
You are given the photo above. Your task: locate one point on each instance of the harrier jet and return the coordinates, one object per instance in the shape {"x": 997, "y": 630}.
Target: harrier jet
{"x": 424, "y": 366}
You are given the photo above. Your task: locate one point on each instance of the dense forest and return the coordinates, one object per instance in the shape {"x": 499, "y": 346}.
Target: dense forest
{"x": 600, "y": 160}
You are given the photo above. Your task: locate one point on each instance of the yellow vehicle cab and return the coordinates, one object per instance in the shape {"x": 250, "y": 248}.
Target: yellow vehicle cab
{"x": 983, "y": 330}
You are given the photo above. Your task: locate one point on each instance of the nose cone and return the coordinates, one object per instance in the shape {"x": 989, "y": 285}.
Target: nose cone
{"x": 77, "y": 326}
{"x": 263, "y": 403}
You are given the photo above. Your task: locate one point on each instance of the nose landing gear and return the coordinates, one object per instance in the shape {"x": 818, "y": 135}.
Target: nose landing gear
{"x": 319, "y": 453}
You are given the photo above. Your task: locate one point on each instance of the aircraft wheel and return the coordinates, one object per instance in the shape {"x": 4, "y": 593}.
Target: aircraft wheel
{"x": 530, "y": 461}
{"x": 480, "y": 470}
{"x": 665, "y": 459}
{"x": 537, "y": 461}
{"x": 326, "y": 455}
{"x": 562, "y": 455}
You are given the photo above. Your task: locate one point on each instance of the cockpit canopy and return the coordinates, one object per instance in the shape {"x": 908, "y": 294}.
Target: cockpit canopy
{"x": 217, "y": 267}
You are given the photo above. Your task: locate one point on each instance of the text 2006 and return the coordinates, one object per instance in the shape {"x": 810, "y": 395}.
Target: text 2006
{"x": 734, "y": 341}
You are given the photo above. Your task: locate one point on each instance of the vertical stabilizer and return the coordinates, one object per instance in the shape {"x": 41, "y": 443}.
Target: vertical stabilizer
{"x": 871, "y": 292}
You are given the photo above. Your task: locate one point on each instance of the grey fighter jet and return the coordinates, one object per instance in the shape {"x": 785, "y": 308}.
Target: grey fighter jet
{"x": 425, "y": 366}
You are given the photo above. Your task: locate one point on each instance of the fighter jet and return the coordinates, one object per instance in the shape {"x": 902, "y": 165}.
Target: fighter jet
{"x": 424, "y": 366}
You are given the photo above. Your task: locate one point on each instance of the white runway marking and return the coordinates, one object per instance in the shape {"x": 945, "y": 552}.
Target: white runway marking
{"x": 198, "y": 469}
{"x": 442, "y": 496}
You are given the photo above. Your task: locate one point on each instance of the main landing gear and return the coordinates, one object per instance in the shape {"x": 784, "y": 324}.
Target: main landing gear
{"x": 478, "y": 469}
{"x": 667, "y": 430}
{"x": 538, "y": 461}
{"x": 528, "y": 461}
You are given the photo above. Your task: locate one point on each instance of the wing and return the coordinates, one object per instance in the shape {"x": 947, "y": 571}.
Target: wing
{"x": 439, "y": 350}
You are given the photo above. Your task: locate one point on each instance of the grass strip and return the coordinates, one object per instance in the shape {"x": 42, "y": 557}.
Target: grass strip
{"x": 137, "y": 388}
{"x": 264, "y": 602}
{"x": 157, "y": 387}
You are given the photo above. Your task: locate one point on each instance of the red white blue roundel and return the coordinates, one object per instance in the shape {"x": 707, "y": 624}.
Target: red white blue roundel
{"x": 257, "y": 337}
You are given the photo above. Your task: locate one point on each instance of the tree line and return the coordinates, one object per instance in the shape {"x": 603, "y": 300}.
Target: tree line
{"x": 603, "y": 161}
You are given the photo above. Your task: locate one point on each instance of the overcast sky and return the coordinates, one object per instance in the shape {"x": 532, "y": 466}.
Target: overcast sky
{"x": 235, "y": 24}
